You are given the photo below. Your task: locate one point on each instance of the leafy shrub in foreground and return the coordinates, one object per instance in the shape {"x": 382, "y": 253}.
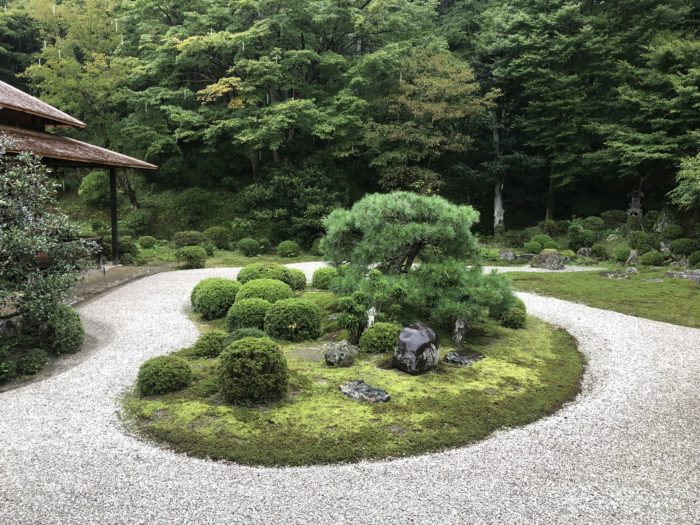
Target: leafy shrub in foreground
{"x": 323, "y": 277}
{"x": 218, "y": 236}
{"x": 380, "y": 338}
{"x": 31, "y": 361}
{"x": 248, "y": 247}
{"x": 147, "y": 241}
{"x": 191, "y": 257}
{"x": 271, "y": 290}
{"x": 242, "y": 333}
{"x": 163, "y": 374}
{"x": 188, "y": 238}
{"x": 683, "y": 246}
{"x": 63, "y": 331}
{"x": 294, "y": 320}
{"x": 247, "y": 313}
{"x": 214, "y": 296}
{"x": 694, "y": 259}
{"x": 288, "y": 249}
{"x": 210, "y": 344}
{"x": 253, "y": 370}
{"x": 652, "y": 258}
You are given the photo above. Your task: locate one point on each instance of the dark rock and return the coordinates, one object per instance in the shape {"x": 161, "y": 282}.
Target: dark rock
{"x": 340, "y": 354}
{"x": 631, "y": 270}
{"x": 584, "y": 252}
{"x": 507, "y": 255}
{"x": 361, "y": 391}
{"x": 455, "y": 358}
{"x": 551, "y": 260}
{"x": 691, "y": 275}
{"x": 418, "y": 350}
{"x": 459, "y": 332}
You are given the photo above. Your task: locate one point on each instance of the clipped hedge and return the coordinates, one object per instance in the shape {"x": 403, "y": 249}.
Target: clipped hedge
{"x": 296, "y": 279}
{"x": 214, "y": 296}
{"x": 653, "y": 258}
{"x": 641, "y": 241}
{"x": 694, "y": 259}
{"x": 210, "y": 344}
{"x": 684, "y": 246}
{"x": 64, "y": 331}
{"x": 247, "y": 313}
{"x": 253, "y": 370}
{"x": 598, "y": 251}
{"x": 323, "y": 277}
{"x": 248, "y": 247}
{"x": 31, "y": 361}
{"x": 622, "y": 254}
{"x": 188, "y": 238}
{"x": 515, "y": 317}
{"x": 380, "y": 338}
{"x": 294, "y": 320}
{"x": 271, "y": 290}
{"x": 288, "y": 249}
{"x": 147, "y": 241}
{"x": 163, "y": 374}
{"x": 191, "y": 257}
{"x": 219, "y": 236}
{"x": 242, "y": 333}
{"x": 533, "y": 247}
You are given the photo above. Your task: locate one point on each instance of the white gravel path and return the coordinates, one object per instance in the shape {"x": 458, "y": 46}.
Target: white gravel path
{"x": 625, "y": 452}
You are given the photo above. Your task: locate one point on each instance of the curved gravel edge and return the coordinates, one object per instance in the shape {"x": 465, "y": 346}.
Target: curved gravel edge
{"x": 625, "y": 452}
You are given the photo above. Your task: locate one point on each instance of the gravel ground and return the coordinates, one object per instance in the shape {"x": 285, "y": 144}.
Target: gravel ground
{"x": 626, "y": 451}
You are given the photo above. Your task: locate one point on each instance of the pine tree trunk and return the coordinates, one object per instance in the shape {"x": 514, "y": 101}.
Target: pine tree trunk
{"x": 549, "y": 215}
{"x": 254, "y": 163}
{"x": 499, "y": 211}
{"x": 129, "y": 190}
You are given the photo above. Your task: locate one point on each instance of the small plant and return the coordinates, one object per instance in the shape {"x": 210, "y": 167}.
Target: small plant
{"x": 127, "y": 246}
{"x": 294, "y": 320}
{"x": 163, "y": 374}
{"x": 247, "y": 313}
{"x": 622, "y": 254}
{"x": 288, "y": 249}
{"x": 380, "y": 338}
{"x": 218, "y": 236}
{"x": 214, "y": 296}
{"x": 515, "y": 318}
{"x": 271, "y": 290}
{"x": 353, "y": 315}
{"x": 652, "y": 258}
{"x": 242, "y": 333}
{"x": 598, "y": 251}
{"x": 533, "y": 247}
{"x": 580, "y": 237}
{"x": 188, "y": 238}
{"x": 641, "y": 241}
{"x": 295, "y": 278}
{"x": 210, "y": 345}
{"x": 63, "y": 331}
{"x": 31, "y": 361}
{"x": 147, "y": 241}
{"x": 253, "y": 370}
{"x": 323, "y": 277}
{"x": 683, "y": 246}
{"x": 191, "y": 257}
{"x": 694, "y": 259}
{"x": 248, "y": 247}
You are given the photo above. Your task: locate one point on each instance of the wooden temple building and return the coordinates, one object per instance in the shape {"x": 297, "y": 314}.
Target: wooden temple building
{"x": 27, "y": 121}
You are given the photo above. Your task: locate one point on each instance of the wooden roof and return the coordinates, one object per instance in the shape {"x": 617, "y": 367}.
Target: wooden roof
{"x": 64, "y": 151}
{"x": 13, "y": 98}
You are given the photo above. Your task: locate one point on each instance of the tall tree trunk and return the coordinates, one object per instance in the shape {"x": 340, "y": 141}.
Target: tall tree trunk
{"x": 499, "y": 224}
{"x": 254, "y": 163}
{"x": 549, "y": 215}
{"x": 128, "y": 189}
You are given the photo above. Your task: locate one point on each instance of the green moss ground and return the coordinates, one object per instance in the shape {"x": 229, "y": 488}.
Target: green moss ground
{"x": 674, "y": 301}
{"x": 524, "y": 375}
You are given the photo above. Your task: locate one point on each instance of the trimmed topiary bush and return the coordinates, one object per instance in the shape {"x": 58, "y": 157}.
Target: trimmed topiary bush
{"x": 295, "y": 278}
{"x": 247, "y": 313}
{"x": 515, "y": 318}
{"x": 214, "y": 296}
{"x": 599, "y": 251}
{"x": 541, "y": 239}
{"x": 614, "y": 218}
{"x": 191, "y": 257}
{"x": 621, "y": 254}
{"x": 147, "y": 241}
{"x": 323, "y": 277}
{"x": 218, "y": 236}
{"x": 294, "y": 320}
{"x": 266, "y": 270}
{"x": 210, "y": 344}
{"x": 694, "y": 259}
{"x": 94, "y": 188}
{"x": 248, "y": 247}
{"x": 163, "y": 374}
{"x": 380, "y": 338}
{"x": 580, "y": 237}
{"x": 288, "y": 249}
{"x": 684, "y": 246}
{"x": 593, "y": 223}
{"x": 253, "y": 370}
{"x": 671, "y": 232}
{"x": 271, "y": 290}
{"x": 31, "y": 361}
{"x": 641, "y": 241}
{"x": 652, "y": 258}
{"x": 533, "y": 247}
{"x": 242, "y": 333}
{"x": 64, "y": 331}
{"x": 188, "y": 238}
{"x": 551, "y": 245}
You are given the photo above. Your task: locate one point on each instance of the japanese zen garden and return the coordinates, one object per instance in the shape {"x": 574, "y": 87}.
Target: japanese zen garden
{"x": 358, "y": 261}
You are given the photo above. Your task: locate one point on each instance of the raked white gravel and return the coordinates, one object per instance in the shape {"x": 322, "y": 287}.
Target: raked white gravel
{"x": 626, "y": 451}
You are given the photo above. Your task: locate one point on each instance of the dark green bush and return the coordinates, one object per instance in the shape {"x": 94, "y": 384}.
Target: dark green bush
{"x": 316, "y": 247}
{"x": 253, "y": 370}
{"x": 295, "y": 278}
{"x": 242, "y": 333}
{"x": 650, "y": 218}
{"x": 652, "y": 258}
{"x": 163, "y": 374}
{"x": 248, "y": 247}
{"x": 288, "y": 249}
{"x": 219, "y": 236}
{"x": 694, "y": 259}
{"x": 241, "y": 229}
{"x": 533, "y": 247}
{"x": 294, "y": 320}
{"x": 621, "y": 254}
{"x": 127, "y": 259}
{"x": 550, "y": 227}
{"x": 94, "y": 188}
{"x": 580, "y": 237}
{"x": 380, "y": 338}
{"x": 265, "y": 245}
{"x": 671, "y": 232}
{"x": 31, "y": 361}
{"x": 209, "y": 248}
{"x": 323, "y": 277}
{"x": 593, "y": 223}
{"x": 271, "y": 290}
{"x": 641, "y": 241}
{"x": 191, "y": 257}
{"x": 210, "y": 344}
{"x": 550, "y": 245}
{"x": 541, "y": 239}
{"x": 514, "y": 318}
{"x": 266, "y": 270}
{"x": 188, "y": 238}
{"x": 599, "y": 251}
{"x": 214, "y": 296}
{"x": 247, "y": 313}
{"x": 63, "y": 331}
{"x": 147, "y": 241}
{"x": 614, "y": 218}
{"x": 127, "y": 246}
{"x": 684, "y": 246}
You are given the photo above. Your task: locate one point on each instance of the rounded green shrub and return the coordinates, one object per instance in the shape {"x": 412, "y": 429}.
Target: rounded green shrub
{"x": 191, "y": 257}
{"x": 580, "y": 237}
{"x": 593, "y": 223}
{"x": 294, "y": 320}
{"x": 641, "y": 241}
{"x": 533, "y": 247}
{"x": 210, "y": 344}
{"x": 684, "y": 246}
{"x": 271, "y": 290}
{"x": 31, "y": 361}
{"x": 570, "y": 254}
{"x": 247, "y": 313}
{"x": 266, "y": 270}
{"x": 295, "y": 278}
{"x": 253, "y": 370}
{"x": 94, "y": 188}
{"x": 214, "y": 296}
{"x": 599, "y": 251}
{"x": 541, "y": 239}
{"x": 147, "y": 241}
{"x": 218, "y": 236}
{"x": 694, "y": 259}
{"x": 380, "y": 338}
{"x": 248, "y": 247}
{"x": 288, "y": 249}
{"x": 515, "y": 318}
{"x": 323, "y": 277}
{"x": 242, "y": 333}
{"x": 163, "y": 374}
{"x": 621, "y": 254}
{"x": 127, "y": 246}
{"x": 652, "y": 258}
{"x": 209, "y": 248}
{"x": 188, "y": 238}
{"x": 64, "y": 331}
{"x": 550, "y": 245}
{"x": 614, "y": 218}
{"x": 671, "y": 232}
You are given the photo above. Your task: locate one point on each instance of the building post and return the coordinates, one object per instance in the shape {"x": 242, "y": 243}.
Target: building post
{"x": 113, "y": 213}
